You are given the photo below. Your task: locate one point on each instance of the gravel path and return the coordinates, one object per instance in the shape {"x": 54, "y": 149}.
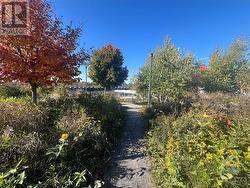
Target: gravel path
{"x": 129, "y": 166}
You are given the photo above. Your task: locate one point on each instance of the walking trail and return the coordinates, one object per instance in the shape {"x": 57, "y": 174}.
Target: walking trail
{"x": 129, "y": 166}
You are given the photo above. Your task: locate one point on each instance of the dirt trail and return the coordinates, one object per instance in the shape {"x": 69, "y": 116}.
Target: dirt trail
{"x": 129, "y": 166}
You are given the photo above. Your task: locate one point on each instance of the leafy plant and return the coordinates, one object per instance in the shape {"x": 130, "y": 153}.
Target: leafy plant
{"x": 171, "y": 74}
{"x": 205, "y": 147}
{"x": 14, "y": 177}
{"x": 106, "y": 67}
{"x": 228, "y": 71}
{"x": 62, "y": 142}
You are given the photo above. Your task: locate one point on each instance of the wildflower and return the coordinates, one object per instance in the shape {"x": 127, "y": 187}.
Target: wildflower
{"x": 209, "y": 156}
{"x": 64, "y": 136}
{"x": 219, "y": 183}
{"x": 171, "y": 170}
{"x": 168, "y": 163}
{"x": 221, "y": 151}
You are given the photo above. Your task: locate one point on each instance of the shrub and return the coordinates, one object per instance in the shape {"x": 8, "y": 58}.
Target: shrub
{"x": 170, "y": 107}
{"x": 231, "y": 105}
{"x": 81, "y": 150}
{"x": 107, "y": 110}
{"x": 22, "y": 126}
{"x": 21, "y": 116}
{"x": 205, "y": 147}
{"x": 10, "y": 91}
{"x": 58, "y": 143}
{"x": 13, "y": 90}
{"x": 55, "y": 108}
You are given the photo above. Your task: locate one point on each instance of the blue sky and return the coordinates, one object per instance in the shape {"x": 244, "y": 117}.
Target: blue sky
{"x": 137, "y": 26}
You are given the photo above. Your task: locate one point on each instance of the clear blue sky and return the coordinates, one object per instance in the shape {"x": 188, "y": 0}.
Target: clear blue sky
{"x": 136, "y": 26}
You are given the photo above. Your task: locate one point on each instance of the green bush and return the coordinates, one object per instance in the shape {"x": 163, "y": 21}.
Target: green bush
{"x": 205, "y": 147}
{"x": 10, "y": 91}
{"x": 22, "y": 126}
{"x": 107, "y": 110}
{"x": 61, "y": 142}
{"x": 13, "y": 90}
{"x": 21, "y": 116}
{"x": 88, "y": 143}
{"x": 80, "y": 150}
{"x": 55, "y": 108}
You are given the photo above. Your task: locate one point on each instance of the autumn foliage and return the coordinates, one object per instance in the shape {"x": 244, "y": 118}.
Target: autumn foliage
{"x": 48, "y": 55}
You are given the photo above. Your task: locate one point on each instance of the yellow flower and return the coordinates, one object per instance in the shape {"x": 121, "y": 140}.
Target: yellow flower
{"x": 168, "y": 163}
{"x": 209, "y": 155}
{"x": 171, "y": 170}
{"x": 248, "y": 148}
{"x": 219, "y": 183}
{"x": 64, "y": 136}
{"x": 221, "y": 151}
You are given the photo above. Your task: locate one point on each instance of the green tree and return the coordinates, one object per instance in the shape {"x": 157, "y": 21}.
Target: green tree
{"x": 106, "y": 67}
{"x": 171, "y": 73}
{"x": 244, "y": 80}
{"x": 140, "y": 83}
{"x": 227, "y": 71}
{"x": 215, "y": 57}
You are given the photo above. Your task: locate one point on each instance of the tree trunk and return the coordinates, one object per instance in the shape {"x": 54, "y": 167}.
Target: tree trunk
{"x": 34, "y": 93}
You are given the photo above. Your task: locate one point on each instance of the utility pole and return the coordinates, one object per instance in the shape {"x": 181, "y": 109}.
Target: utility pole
{"x": 86, "y": 76}
{"x": 150, "y": 81}
{"x": 86, "y": 70}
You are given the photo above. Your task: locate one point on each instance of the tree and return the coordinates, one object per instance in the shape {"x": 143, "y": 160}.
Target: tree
{"x": 215, "y": 57}
{"x": 106, "y": 67}
{"x": 48, "y": 55}
{"x": 244, "y": 79}
{"x": 171, "y": 74}
{"x": 227, "y": 70}
{"x": 140, "y": 83}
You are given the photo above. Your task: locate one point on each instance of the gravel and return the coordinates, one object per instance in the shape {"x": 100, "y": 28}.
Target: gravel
{"x": 129, "y": 166}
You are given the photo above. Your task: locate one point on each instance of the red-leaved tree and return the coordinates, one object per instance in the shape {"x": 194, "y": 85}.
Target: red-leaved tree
{"x": 48, "y": 55}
